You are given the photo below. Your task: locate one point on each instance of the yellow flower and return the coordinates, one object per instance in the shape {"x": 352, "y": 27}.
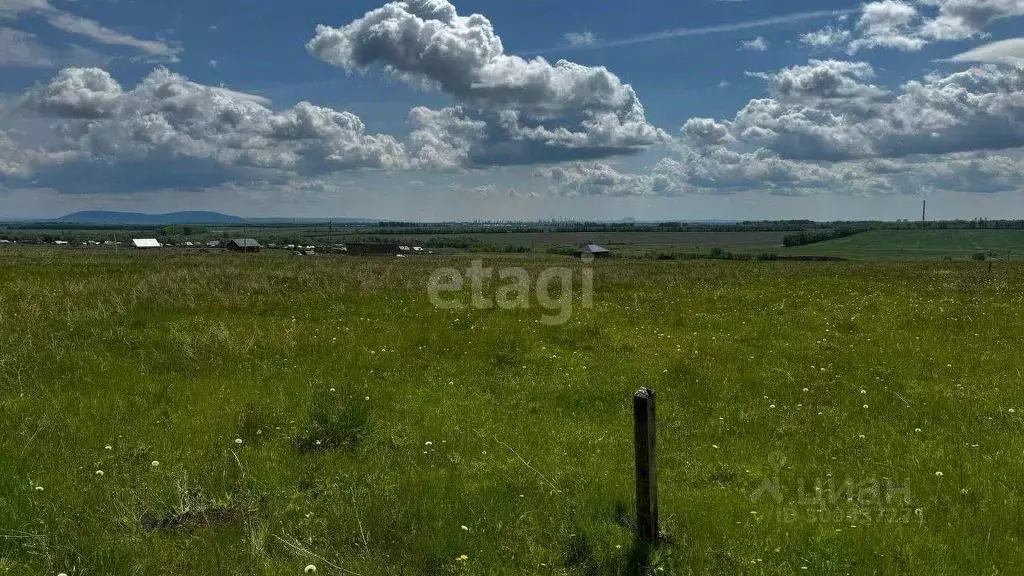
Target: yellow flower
{"x": 462, "y": 558}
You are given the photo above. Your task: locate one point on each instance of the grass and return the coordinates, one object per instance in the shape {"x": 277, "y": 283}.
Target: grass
{"x": 489, "y": 420}
{"x": 918, "y": 244}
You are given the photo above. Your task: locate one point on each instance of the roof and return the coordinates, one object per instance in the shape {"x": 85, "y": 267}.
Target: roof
{"x": 593, "y": 249}
{"x": 145, "y": 243}
{"x": 246, "y": 243}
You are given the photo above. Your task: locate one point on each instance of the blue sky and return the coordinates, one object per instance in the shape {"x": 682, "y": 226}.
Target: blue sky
{"x": 428, "y": 109}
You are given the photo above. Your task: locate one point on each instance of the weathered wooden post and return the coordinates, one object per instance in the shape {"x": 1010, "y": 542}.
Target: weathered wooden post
{"x": 646, "y": 465}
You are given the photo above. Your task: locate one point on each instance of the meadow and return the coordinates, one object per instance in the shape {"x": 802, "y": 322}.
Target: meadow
{"x": 920, "y": 244}
{"x": 196, "y": 414}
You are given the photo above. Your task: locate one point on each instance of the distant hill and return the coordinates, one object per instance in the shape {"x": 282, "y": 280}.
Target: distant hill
{"x": 139, "y": 219}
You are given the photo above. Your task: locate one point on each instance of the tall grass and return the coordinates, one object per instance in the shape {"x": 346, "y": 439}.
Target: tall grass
{"x": 487, "y": 434}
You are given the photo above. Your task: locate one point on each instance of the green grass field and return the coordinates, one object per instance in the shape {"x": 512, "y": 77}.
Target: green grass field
{"x": 380, "y": 435}
{"x": 917, "y": 244}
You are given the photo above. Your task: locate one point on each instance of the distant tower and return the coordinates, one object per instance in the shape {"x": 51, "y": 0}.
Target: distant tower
{"x": 924, "y": 211}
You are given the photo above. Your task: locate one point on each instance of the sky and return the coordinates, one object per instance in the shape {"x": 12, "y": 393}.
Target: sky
{"x": 484, "y": 110}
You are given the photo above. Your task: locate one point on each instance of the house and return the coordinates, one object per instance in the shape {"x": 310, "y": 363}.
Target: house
{"x": 145, "y": 243}
{"x": 61, "y": 242}
{"x": 591, "y": 251}
{"x": 244, "y": 245}
{"x": 213, "y": 244}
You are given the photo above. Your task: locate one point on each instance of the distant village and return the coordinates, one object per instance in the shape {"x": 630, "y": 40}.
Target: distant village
{"x": 240, "y": 245}
{"x": 251, "y": 245}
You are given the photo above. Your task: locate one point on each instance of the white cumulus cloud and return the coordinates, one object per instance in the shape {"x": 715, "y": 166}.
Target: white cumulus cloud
{"x": 168, "y": 127}
{"x": 758, "y": 44}
{"x": 530, "y": 106}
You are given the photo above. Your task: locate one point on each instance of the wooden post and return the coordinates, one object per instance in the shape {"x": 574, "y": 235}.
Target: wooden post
{"x": 646, "y": 465}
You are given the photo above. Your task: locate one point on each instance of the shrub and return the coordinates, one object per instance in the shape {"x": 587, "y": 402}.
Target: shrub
{"x": 980, "y": 256}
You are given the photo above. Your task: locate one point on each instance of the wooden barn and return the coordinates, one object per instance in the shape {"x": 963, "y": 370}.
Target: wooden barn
{"x": 244, "y": 245}
{"x": 593, "y": 251}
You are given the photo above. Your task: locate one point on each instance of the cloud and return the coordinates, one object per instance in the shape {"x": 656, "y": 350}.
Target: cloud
{"x": 73, "y": 24}
{"x": 829, "y": 110}
{"x": 704, "y": 30}
{"x": 1003, "y": 51}
{"x": 823, "y": 79}
{"x": 706, "y": 132}
{"x": 23, "y": 49}
{"x": 18, "y": 48}
{"x": 581, "y": 38}
{"x": 169, "y": 131}
{"x": 443, "y": 139}
{"x": 887, "y": 24}
{"x": 827, "y": 37}
{"x": 600, "y": 179}
{"x": 909, "y": 25}
{"x": 961, "y": 19}
{"x": 534, "y": 110}
{"x": 720, "y": 170}
{"x": 758, "y": 44}
{"x": 826, "y": 128}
